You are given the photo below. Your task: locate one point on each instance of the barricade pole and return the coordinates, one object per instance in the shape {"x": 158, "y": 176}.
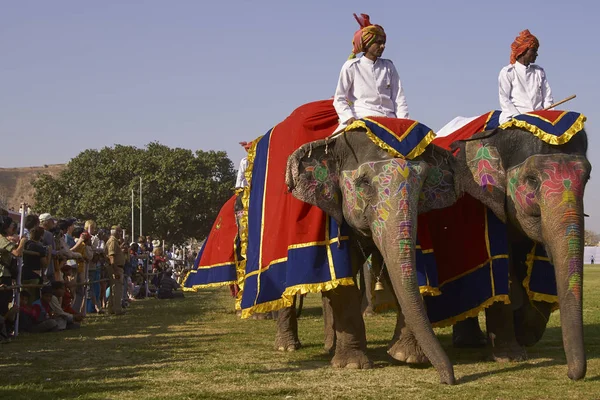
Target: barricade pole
{"x": 16, "y": 293}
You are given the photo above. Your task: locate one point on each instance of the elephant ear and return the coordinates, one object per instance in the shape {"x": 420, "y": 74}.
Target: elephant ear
{"x": 312, "y": 175}
{"x": 480, "y": 171}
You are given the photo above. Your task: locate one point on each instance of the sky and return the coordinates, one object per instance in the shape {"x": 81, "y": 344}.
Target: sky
{"x": 208, "y": 74}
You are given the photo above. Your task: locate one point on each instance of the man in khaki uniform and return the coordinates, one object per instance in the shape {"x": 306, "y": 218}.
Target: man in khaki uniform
{"x": 116, "y": 259}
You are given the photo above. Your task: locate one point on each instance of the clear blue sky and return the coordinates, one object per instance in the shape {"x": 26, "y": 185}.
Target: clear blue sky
{"x": 207, "y": 74}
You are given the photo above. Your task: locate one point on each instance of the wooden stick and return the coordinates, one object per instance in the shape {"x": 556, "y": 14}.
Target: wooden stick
{"x": 560, "y": 102}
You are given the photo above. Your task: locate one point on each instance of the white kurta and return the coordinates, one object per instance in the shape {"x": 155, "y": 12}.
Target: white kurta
{"x": 523, "y": 89}
{"x": 369, "y": 88}
{"x": 241, "y": 181}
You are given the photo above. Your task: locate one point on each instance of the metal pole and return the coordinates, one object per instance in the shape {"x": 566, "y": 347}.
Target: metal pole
{"x": 17, "y": 292}
{"x": 132, "y": 217}
{"x": 141, "y": 234}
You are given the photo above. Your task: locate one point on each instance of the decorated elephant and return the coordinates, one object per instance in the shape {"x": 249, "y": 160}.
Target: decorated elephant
{"x": 533, "y": 186}
{"x": 379, "y": 196}
{"x": 535, "y": 183}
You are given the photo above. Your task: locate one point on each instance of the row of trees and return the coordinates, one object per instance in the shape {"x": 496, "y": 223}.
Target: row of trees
{"x": 182, "y": 190}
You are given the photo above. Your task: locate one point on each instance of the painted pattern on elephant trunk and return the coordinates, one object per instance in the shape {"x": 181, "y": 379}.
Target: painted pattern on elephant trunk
{"x": 563, "y": 190}
{"x": 396, "y": 180}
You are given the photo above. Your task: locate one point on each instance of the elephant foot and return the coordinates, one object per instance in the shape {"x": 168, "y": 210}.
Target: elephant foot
{"x": 468, "y": 334}
{"x": 508, "y": 352}
{"x": 406, "y": 349}
{"x": 289, "y": 344}
{"x": 351, "y": 359}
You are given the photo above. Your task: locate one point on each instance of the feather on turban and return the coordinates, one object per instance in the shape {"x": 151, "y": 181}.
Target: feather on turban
{"x": 522, "y": 43}
{"x": 365, "y": 36}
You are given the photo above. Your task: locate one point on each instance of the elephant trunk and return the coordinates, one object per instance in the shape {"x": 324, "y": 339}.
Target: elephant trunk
{"x": 563, "y": 233}
{"x": 398, "y": 249}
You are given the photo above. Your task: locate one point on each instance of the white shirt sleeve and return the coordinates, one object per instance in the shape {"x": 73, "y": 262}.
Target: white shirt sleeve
{"x": 340, "y": 99}
{"x": 504, "y": 91}
{"x": 241, "y": 175}
{"x": 398, "y": 95}
{"x": 546, "y": 91}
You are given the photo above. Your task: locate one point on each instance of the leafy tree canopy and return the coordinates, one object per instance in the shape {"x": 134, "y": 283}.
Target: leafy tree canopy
{"x": 182, "y": 194}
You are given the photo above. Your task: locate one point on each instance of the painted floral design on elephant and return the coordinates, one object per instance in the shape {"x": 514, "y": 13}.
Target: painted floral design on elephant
{"x": 485, "y": 165}
{"x": 324, "y": 182}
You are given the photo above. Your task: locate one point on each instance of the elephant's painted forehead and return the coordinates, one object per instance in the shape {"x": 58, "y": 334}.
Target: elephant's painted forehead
{"x": 385, "y": 165}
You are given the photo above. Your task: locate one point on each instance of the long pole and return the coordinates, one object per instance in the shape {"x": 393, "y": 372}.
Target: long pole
{"x": 141, "y": 234}
{"x": 560, "y": 102}
{"x": 17, "y": 293}
{"x": 132, "y": 217}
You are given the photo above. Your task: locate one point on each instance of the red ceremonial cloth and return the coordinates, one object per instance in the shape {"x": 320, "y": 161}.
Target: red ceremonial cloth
{"x": 310, "y": 122}
{"x": 219, "y": 246}
{"x": 457, "y": 233}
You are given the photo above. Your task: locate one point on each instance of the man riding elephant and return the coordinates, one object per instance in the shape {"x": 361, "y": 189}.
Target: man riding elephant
{"x": 369, "y": 86}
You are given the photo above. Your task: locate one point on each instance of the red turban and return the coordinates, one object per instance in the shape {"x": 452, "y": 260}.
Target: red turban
{"x": 365, "y": 36}
{"x": 246, "y": 145}
{"x": 522, "y": 43}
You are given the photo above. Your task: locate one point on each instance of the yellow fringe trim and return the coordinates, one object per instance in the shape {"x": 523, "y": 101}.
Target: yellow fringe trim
{"x": 243, "y": 221}
{"x": 546, "y": 137}
{"x": 535, "y": 296}
{"x": 287, "y": 298}
{"x": 417, "y": 151}
{"x": 267, "y": 307}
{"x": 318, "y": 287}
{"x": 473, "y": 312}
{"x": 429, "y": 291}
{"x": 208, "y": 285}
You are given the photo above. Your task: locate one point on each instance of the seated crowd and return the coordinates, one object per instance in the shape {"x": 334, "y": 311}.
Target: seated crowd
{"x": 70, "y": 269}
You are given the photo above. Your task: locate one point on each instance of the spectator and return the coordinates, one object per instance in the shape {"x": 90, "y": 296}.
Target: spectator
{"x": 65, "y": 319}
{"x": 31, "y": 318}
{"x": 67, "y": 226}
{"x": 8, "y": 250}
{"x": 31, "y": 221}
{"x": 48, "y": 223}
{"x": 115, "y": 270}
{"x": 82, "y": 247}
{"x": 35, "y": 259}
{"x": 167, "y": 286}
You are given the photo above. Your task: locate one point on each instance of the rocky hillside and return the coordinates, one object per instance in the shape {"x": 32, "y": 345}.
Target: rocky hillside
{"x": 15, "y": 183}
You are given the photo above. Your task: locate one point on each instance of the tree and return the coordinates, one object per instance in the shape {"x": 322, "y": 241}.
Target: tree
{"x": 182, "y": 191}
{"x": 591, "y": 238}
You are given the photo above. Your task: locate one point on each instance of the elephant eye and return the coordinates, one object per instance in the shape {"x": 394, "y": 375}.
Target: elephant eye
{"x": 532, "y": 181}
{"x": 362, "y": 181}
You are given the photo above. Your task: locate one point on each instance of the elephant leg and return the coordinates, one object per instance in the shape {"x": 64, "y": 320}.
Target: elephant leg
{"x": 329, "y": 326}
{"x": 404, "y": 346}
{"x": 350, "y": 336}
{"x": 530, "y": 322}
{"x": 468, "y": 334}
{"x": 501, "y": 333}
{"x": 287, "y": 330}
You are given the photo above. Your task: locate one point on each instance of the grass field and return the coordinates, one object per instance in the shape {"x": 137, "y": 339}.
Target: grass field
{"x": 197, "y": 349}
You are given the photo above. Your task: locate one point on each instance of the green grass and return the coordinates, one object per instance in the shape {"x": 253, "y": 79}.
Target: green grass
{"x": 197, "y": 349}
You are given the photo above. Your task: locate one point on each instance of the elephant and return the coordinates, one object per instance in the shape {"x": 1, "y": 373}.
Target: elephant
{"x": 537, "y": 189}
{"x": 379, "y": 196}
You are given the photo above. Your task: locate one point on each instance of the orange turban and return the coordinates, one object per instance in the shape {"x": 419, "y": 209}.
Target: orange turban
{"x": 522, "y": 43}
{"x": 365, "y": 36}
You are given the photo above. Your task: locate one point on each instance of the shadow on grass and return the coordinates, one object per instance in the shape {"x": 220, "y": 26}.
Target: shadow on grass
{"x": 107, "y": 354}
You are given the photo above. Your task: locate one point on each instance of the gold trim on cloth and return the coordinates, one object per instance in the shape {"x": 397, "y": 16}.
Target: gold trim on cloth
{"x": 417, "y": 151}
{"x": 546, "y": 137}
